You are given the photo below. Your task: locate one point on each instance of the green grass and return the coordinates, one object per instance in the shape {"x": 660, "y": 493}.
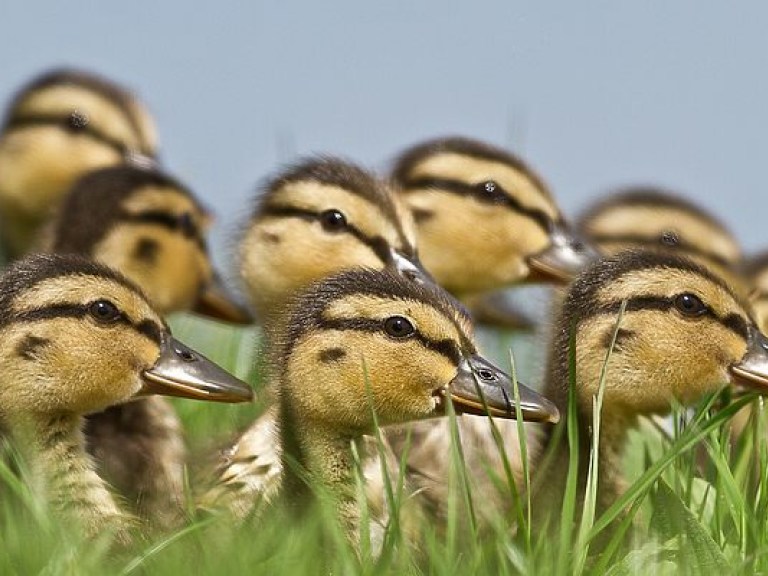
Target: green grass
{"x": 697, "y": 503}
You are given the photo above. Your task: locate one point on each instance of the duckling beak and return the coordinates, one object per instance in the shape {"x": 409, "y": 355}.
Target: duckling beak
{"x": 752, "y": 370}
{"x": 478, "y": 380}
{"x": 565, "y": 257}
{"x": 410, "y": 268}
{"x": 141, "y": 160}
{"x": 217, "y": 302}
{"x": 182, "y": 372}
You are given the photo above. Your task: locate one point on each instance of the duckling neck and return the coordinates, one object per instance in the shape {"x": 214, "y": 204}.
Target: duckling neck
{"x": 320, "y": 457}
{"x": 614, "y": 425}
{"x": 53, "y": 446}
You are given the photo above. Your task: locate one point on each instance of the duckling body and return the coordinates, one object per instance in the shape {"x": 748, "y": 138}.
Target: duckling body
{"x": 379, "y": 343}
{"x": 684, "y": 333}
{"x": 320, "y": 216}
{"x": 58, "y": 127}
{"x": 58, "y": 315}
{"x": 150, "y": 227}
{"x": 485, "y": 221}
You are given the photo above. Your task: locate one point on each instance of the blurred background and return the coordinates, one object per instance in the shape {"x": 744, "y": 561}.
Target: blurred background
{"x": 594, "y": 94}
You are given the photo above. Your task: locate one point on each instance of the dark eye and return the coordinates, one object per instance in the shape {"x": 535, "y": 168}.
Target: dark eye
{"x": 690, "y": 305}
{"x": 187, "y": 225}
{"x": 490, "y": 190}
{"x": 104, "y": 311}
{"x": 77, "y": 120}
{"x": 333, "y": 220}
{"x": 670, "y": 238}
{"x": 398, "y": 327}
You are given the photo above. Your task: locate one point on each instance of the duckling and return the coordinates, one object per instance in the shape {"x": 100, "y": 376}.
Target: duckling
{"x": 651, "y": 218}
{"x": 59, "y": 126}
{"x": 380, "y": 344}
{"x": 151, "y": 228}
{"x": 684, "y": 333}
{"x": 75, "y": 338}
{"x": 318, "y": 217}
{"x": 755, "y": 270}
{"x": 485, "y": 220}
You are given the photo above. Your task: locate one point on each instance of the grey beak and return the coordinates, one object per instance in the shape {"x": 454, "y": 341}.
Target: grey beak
{"x": 478, "y": 380}
{"x": 141, "y": 160}
{"x": 410, "y": 268}
{"x": 752, "y": 370}
{"x": 217, "y": 302}
{"x": 565, "y": 257}
{"x": 180, "y": 371}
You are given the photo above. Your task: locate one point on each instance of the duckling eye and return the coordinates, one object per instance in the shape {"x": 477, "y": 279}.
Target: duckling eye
{"x": 104, "y": 311}
{"x": 187, "y": 225}
{"x": 77, "y": 120}
{"x": 690, "y": 305}
{"x": 398, "y": 327}
{"x": 670, "y": 238}
{"x": 333, "y": 220}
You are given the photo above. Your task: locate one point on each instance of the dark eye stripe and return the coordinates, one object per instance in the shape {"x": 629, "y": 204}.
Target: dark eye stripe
{"x": 733, "y": 322}
{"x": 639, "y": 240}
{"x": 462, "y": 188}
{"x": 379, "y": 246}
{"x": 166, "y": 220}
{"x": 147, "y": 328}
{"x": 85, "y": 129}
{"x": 447, "y": 348}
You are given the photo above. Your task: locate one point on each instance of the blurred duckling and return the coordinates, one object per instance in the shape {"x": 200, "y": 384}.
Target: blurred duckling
{"x": 684, "y": 333}
{"x": 485, "y": 221}
{"x": 755, "y": 271}
{"x": 318, "y": 217}
{"x": 61, "y": 125}
{"x": 382, "y": 344}
{"x": 75, "y": 338}
{"x": 651, "y": 218}
{"x": 151, "y": 228}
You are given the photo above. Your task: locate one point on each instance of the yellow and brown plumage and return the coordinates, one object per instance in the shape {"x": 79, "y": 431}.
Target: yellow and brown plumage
{"x": 151, "y": 228}
{"x": 684, "y": 333}
{"x": 58, "y": 127}
{"x": 485, "y": 219}
{"x": 377, "y": 342}
{"x": 318, "y": 217}
{"x": 77, "y": 337}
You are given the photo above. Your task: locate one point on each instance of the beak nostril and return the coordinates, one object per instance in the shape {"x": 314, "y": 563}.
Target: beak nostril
{"x": 485, "y": 374}
{"x": 185, "y": 355}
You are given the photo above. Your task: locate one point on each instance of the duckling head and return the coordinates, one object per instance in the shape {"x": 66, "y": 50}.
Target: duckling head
{"x": 650, "y": 218}
{"x": 372, "y": 341}
{"x": 485, "y": 219}
{"x": 61, "y": 125}
{"x": 151, "y": 228}
{"x": 77, "y": 337}
{"x": 319, "y": 217}
{"x": 684, "y": 333}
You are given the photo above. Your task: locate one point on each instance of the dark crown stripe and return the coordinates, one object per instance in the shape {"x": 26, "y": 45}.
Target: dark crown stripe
{"x": 733, "y": 322}
{"x": 377, "y": 244}
{"x": 476, "y": 192}
{"x": 447, "y": 348}
{"x": 146, "y": 328}
{"x": 655, "y": 242}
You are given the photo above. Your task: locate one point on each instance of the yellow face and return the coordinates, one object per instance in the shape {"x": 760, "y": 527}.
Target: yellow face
{"x": 308, "y": 230}
{"x": 677, "y": 340}
{"x": 39, "y": 162}
{"x": 359, "y": 360}
{"x": 478, "y": 220}
{"x": 166, "y": 256}
{"x": 75, "y": 344}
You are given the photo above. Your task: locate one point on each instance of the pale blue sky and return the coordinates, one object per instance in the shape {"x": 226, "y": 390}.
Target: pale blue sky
{"x": 593, "y": 94}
